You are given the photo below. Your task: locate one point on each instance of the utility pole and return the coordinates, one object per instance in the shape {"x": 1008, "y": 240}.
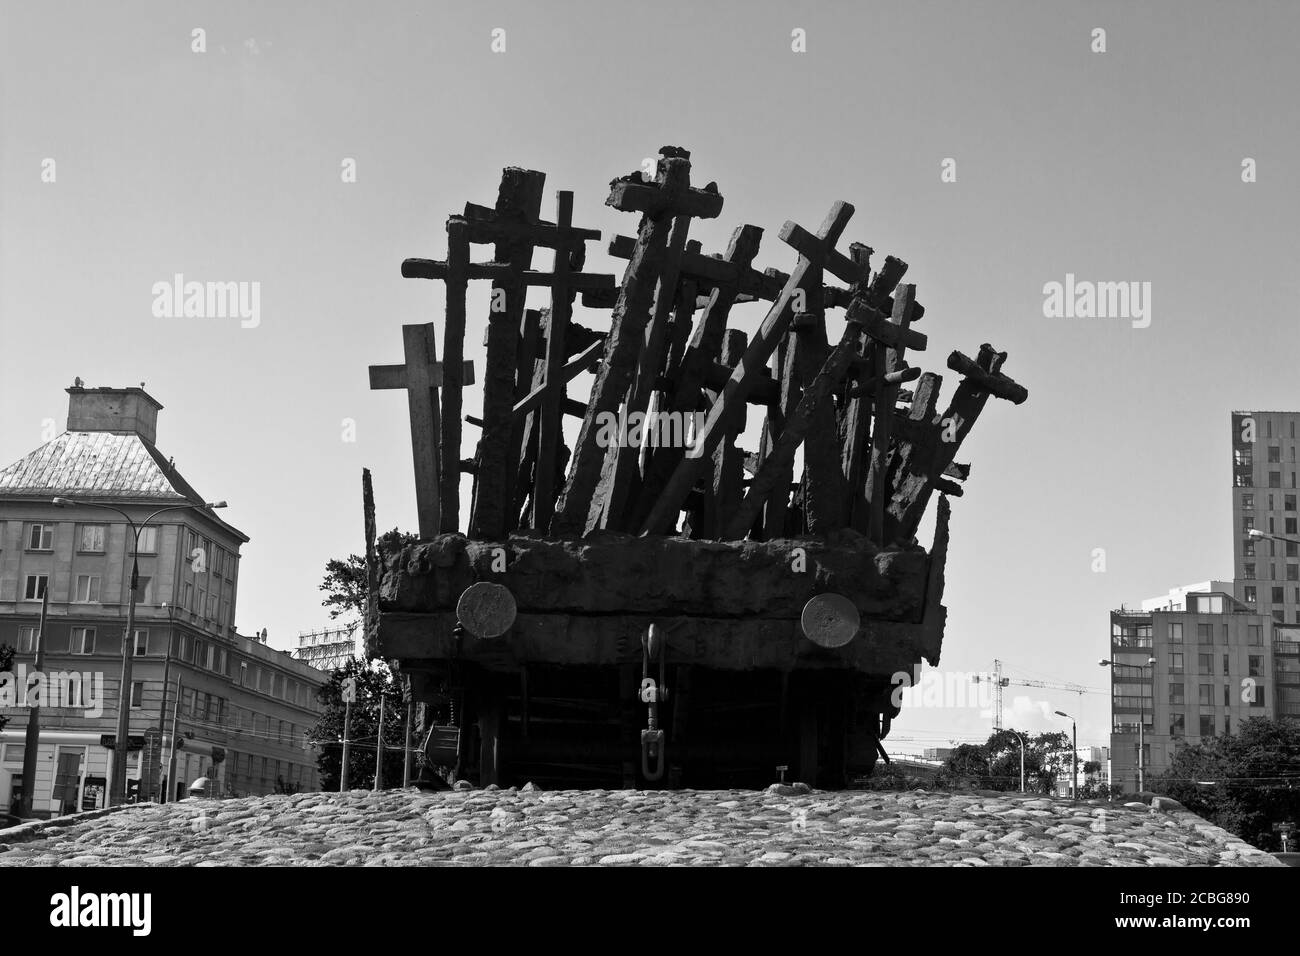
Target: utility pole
{"x": 379, "y": 745}
{"x": 162, "y": 708}
{"x": 171, "y": 750}
{"x": 32, "y": 745}
{"x": 406, "y": 738}
{"x": 349, "y": 695}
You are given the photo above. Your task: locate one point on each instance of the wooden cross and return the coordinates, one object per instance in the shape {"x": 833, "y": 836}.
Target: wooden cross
{"x": 699, "y": 367}
{"x": 923, "y": 461}
{"x": 769, "y": 334}
{"x": 887, "y": 361}
{"x": 512, "y": 226}
{"x": 456, "y": 271}
{"x": 671, "y": 195}
{"x": 420, "y": 375}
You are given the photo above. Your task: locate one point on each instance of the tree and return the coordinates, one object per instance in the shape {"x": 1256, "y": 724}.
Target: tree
{"x": 373, "y": 680}
{"x": 1244, "y": 782}
{"x": 345, "y": 580}
{"x": 995, "y": 764}
{"x": 6, "y": 665}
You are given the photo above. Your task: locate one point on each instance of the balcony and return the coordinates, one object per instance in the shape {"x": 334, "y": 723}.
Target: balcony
{"x": 1129, "y": 642}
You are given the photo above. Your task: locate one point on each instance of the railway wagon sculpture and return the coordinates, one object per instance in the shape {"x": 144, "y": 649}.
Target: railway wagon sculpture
{"x": 652, "y": 605}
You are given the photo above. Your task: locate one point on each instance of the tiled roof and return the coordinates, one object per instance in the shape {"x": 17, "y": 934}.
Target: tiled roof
{"x": 104, "y": 464}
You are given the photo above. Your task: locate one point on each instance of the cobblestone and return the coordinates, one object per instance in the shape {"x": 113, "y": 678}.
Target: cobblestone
{"x": 786, "y": 825}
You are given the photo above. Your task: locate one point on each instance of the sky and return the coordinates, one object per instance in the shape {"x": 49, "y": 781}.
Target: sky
{"x": 1117, "y": 166}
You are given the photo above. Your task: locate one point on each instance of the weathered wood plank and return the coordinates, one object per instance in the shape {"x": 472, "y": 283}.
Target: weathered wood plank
{"x": 887, "y": 361}
{"x": 626, "y": 339}
{"x": 519, "y": 199}
{"x": 732, "y": 402}
{"x": 453, "y": 382}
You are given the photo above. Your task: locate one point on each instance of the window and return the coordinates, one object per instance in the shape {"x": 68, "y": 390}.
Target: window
{"x": 1205, "y": 663}
{"x": 40, "y": 537}
{"x": 1292, "y": 549}
{"x": 212, "y": 607}
{"x": 1275, "y": 479}
{"x": 1243, "y": 457}
{"x": 1292, "y": 571}
{"x": 1227, "y": 724}
{"x": 1206, "y": 695}
{"x": 1205, "y": 633}
{"x": 1255, "y": 633}
{"x": 221, "y": 663}
{"x": 1248, "y": 502}
{"x": 148, "y": 541}
{"x": 1248, "y": 592}
{"x": 1207, "y": 725}
{"x": 1175, "y": 663}
{"x": 1288, "y": 502}
{"x": 87, "y": 589}
{"x": 1176, "y": 692}
{"x": 1274, "y": 453}
{"x": 243, "y": 674}
{"x": 188, "y": 600}
{"x": 92, "y": 538}
{"x": 83, "y": 640}
{"x": 1227, "y": 694}
{"x": 1176, "y": 632}
{"x": 1278, "y": 597}
{"x": 1248, "y": 571}
{"x": 141, "y": 643}
{"x": 187, "y": 702}
{"x": 199, "y": 651}
{"x": 144, "y": 589}
{"x": 137, "y": 694}
{"x": 1248, "y": 548}
{"x": 1290, "y": 524}
{"x": 26, "y": 640}
{"x": 1247, "y": 523}
{"x": 1255, "y": 665}
{"x": 1225, "y": 665}
{"x": 1258, "y": 700}
{"x": 34, "y": 590}
{"x": 1177, "y": 725}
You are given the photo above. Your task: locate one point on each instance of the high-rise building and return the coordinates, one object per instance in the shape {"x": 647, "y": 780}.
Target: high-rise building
{"x": 244, "y": 709}
{"x": 1264, "y": 499}
{"x": 1185, "y": 671}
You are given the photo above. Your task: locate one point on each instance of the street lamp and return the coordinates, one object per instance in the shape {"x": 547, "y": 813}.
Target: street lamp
{"x": 117, "y": 786}
{"x": 1256, "y": 534}
{"x": 1074, "y": 755}
{"x": 1142, "y": 716}
{"x": 1020, "y": 740}
{"x": 166, "y": 770}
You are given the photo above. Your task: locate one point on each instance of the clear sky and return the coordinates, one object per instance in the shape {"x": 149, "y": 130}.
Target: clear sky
{"x": 1117, "y": 166}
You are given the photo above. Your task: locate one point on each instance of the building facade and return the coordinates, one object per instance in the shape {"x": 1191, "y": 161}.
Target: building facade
{"x": 1265, "y": 499}
{"x": 1187, "y": 671}
{"x": 244, "y": 709}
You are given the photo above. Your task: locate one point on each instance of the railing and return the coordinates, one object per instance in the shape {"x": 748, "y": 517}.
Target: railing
{"x": 1122, "y": 641}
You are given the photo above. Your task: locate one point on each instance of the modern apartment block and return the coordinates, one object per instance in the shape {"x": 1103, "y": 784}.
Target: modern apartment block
{"x": 244, "y": 709}
{"x": 1188, "y": 670}
{"x": 1265, "y": 499}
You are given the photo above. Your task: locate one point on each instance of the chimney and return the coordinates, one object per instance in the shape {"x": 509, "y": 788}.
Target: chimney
{"x": 120, "y": 410}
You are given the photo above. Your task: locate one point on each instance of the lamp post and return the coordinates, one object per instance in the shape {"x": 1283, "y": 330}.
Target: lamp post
{"x": 166, "y": 768}
{"x": 1074, "y": 754}
{"x": 1142, "y": 715}
{"x": 1020, "y": 740}
{"x": 117, "y": 786}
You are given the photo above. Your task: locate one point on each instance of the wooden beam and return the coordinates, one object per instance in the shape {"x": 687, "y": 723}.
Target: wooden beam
{"x": 733, "y": 399}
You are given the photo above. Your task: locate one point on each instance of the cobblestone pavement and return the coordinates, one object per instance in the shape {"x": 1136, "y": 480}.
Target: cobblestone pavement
{"x": 782, "y": 826}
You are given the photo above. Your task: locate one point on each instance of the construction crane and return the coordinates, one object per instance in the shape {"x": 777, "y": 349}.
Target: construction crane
{"x": 999, "y": 682}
